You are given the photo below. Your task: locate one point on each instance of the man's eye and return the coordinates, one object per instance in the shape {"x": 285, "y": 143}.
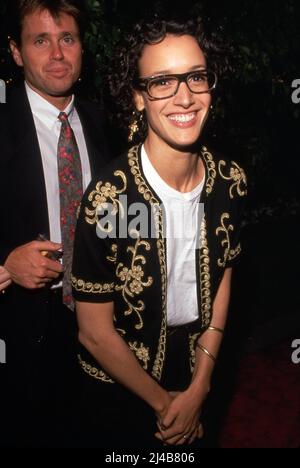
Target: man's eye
{"x": 68, "y": 40}
{"x": 40, "y": 41}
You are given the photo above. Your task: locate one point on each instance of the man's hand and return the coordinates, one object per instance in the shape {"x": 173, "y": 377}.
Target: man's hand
{"x": 29, "y": 267}
{"x": 181, "y": 424}
{"x": 5, "y": 280}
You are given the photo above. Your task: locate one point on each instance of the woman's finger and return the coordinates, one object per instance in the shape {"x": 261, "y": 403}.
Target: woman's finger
{"x": 200, "y": 431}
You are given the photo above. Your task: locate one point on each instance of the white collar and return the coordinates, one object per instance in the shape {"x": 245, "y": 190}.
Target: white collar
{"x": 43, "y": 110}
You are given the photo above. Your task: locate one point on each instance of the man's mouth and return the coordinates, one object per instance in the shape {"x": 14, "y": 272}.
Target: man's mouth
{"x": 58, "y": 71}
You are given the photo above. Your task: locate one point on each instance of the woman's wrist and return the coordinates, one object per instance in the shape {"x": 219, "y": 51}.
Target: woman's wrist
{"x": 199, "y": 388}
{"x": 162, "y": 402}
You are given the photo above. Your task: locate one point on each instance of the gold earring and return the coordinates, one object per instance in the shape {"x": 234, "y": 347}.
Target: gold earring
{"x": 134, "y": 126}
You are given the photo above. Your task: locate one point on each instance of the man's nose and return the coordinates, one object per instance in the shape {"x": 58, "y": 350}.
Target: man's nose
{"x": 57, "y": 52}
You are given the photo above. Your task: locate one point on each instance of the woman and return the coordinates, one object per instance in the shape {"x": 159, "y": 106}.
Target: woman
{"x": 152, "y": 298}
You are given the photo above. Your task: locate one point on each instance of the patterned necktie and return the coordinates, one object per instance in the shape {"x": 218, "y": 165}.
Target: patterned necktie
{"x": 70, "y": 192}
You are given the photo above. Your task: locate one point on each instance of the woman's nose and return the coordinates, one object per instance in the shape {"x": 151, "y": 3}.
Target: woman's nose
{"x": 184, "y": 96}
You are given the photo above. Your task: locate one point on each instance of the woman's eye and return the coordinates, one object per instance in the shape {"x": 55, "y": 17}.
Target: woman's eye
{"x": 199, "y": 77}
{"x": 163, "y": 82}
{"x": 160, "y": 82}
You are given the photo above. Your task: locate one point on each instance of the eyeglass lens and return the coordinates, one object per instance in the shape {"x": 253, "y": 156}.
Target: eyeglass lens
{"x": 198, "y": 82}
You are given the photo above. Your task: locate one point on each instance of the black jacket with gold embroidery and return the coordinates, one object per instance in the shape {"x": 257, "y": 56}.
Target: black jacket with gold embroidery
{"x": 111, "y": 264}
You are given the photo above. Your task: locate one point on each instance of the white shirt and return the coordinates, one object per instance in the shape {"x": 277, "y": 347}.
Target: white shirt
{"x": 48, "y": 130}
{"x": 182, "y": 221}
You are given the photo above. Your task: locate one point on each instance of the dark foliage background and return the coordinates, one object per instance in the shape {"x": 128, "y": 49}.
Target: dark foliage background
{"x": 255, "y": 122}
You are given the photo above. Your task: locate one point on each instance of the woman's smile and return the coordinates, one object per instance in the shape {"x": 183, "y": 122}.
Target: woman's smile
{"x": 183, "y": 120}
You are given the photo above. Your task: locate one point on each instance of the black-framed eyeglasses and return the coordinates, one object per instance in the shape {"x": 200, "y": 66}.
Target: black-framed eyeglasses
{"x": 166, "y": 86}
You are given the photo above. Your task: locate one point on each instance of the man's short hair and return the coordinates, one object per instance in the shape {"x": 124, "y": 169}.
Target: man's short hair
{"x": 18, "y": 9}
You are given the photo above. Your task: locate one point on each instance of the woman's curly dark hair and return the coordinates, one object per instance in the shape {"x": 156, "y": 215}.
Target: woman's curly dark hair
{"x": 123, "y": 67}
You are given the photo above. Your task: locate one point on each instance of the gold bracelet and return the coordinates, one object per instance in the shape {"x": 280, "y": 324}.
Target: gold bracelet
{"x": 211, "y": 356}
{"x": 216, "y": 329}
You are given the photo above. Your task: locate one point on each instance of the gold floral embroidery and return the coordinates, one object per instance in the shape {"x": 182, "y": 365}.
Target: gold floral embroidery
{"x": 113, "y": 258}
{"x": 132, "y": 279}
{"x": 92, "y": 288}
{"x": 229, "y": 254}
{"x": 93, "y": 371}
{"x": 141, "y": 352}
{"x": 205, "y": 284}
{"x": 145, "y": 190}
{"x": 234, "y": 253}
{"x": 237, "y": 175}
{"x": 192, "y": 340}
{"x": 100, "y": 197}
{"x": 211, "y": 169}
{"x": 119, "y": 330}
{"x": 138, "y": 178}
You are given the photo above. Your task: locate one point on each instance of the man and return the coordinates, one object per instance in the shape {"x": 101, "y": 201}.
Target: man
{"x": 51, "y": 145}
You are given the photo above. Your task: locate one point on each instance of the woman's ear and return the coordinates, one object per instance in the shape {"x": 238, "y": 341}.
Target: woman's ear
{"x": 138, "y": 101}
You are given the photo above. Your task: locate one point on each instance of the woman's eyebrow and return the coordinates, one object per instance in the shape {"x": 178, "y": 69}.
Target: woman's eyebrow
{"x": 170, "y": 72}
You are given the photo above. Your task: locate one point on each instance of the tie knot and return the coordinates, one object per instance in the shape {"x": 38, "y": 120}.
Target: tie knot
{"x": 63, "y": 117}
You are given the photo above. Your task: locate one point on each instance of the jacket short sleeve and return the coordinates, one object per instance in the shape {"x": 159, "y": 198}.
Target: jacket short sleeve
{"x": 93, "y": 273}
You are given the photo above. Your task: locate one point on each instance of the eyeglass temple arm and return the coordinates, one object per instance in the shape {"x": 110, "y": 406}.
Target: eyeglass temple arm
{"x": 140, "y": 83}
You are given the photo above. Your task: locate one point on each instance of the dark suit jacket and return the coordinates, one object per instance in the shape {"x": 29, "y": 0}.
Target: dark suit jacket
{"x": 24, "y": 214}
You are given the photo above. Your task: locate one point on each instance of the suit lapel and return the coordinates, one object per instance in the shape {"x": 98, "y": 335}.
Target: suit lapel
{"x": 29, "y": 190}
{"x": 28, "y": 163}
